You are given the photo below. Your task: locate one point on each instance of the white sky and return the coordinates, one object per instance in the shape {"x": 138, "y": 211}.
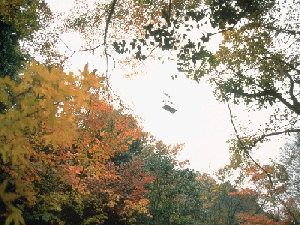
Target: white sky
{"x": 200, "y": 122}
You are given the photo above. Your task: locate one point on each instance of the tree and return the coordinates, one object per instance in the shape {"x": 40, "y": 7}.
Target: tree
{"x": 290, "y": 161}
{"x": 174, "y": 195}
{"x": 256, "y": 70}
{"x": 255, "y": 64}
{"x": 267, "y": 185}
{"x": 251, "y": 34}
{"x": 37, "y": 119}
{"x": 249, "y": 69}
{"x": 19, "y": 21}
{"x": 223, "y": 202}
{"x": 11, "y": 56}
{"x": 25, "y": 16}
{"x": 116, "y": 182}
{"x": 58, "y": 134}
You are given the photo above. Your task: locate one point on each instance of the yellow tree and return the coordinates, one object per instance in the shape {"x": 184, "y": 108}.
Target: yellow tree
{"x": 59, "y": 135}
{"x": 39, "y": 109}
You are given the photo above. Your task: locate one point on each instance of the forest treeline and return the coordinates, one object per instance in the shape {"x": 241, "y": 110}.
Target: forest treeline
{"x": 70, "y": 155}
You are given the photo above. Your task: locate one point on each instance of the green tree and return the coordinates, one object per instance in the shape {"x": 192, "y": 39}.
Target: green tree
{"x": 19, "y": 20}
{"x": 175, "y": 196}
{"x": 258, "y": 66}
{"x": 11, "y": 56}
{"x": 254, "y": 64}
{"x": 222, "y": 201}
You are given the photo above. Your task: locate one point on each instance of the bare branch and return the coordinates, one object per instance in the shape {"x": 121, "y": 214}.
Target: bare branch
{"x": 246, "y": 151}
{"x": 274, "y": 134}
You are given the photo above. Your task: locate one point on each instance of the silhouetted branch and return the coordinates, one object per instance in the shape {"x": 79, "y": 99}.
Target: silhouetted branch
{"x": 111, "y": 11}
{"x": 247, "y": 152}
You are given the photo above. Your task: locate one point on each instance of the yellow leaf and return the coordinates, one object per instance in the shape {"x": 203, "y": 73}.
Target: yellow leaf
{"x": 5, "y": 150}
{"x": 3, "y": 187}
{"x": 15, "y": 216}
{"x": 9, "y": 197}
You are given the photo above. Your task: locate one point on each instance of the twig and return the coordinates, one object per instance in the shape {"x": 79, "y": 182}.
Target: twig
{"x": 111, "y": 11}
{"x": 246, "y": 151}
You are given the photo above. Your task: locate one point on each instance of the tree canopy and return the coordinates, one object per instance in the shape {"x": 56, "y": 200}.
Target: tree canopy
{"x": 70, "y": 155}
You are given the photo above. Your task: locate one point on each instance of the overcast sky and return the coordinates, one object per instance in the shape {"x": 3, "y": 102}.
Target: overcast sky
{"x": 200, "y": 122}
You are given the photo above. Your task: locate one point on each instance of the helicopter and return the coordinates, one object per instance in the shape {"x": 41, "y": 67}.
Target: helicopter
{"x": 168, "y": 105}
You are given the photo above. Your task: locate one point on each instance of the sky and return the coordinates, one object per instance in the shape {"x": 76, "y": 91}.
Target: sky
{"x": 201, "y": 122}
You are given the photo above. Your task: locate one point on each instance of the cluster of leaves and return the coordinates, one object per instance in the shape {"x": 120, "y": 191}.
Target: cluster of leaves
{"x": 257, "y": 64}
{"x": 19, "y": 20}
{"x": 25, "y": 16}
{"x": 229, "y": 13}
{"x": 248, "y": 67}
{"x": 272, "y": 186}
{"x": 183, "y": 196}
{"x": 58, "y": 136}
{"x": 67, "y": 156}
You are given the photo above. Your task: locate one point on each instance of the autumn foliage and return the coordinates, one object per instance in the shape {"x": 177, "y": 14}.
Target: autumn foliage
{"x": 258, "y": 219}
{"x": 70, "y": 157}
{"x": 58, "y": 135}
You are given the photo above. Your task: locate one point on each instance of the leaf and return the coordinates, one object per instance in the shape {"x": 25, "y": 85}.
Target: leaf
{"x": 15, "y": 216}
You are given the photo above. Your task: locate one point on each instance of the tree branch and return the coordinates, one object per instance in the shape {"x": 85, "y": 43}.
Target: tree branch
{"x": 271, "y": 93}
{"x": 274, "y": 134}
{"x": 170, "y": 7}
{"x": 286, "y": 31}
{"x": 291, "y": 91}
{"x": 246, "y": 151}
{"x": 111, "y": 11}
{"x": 294, "y": 108}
